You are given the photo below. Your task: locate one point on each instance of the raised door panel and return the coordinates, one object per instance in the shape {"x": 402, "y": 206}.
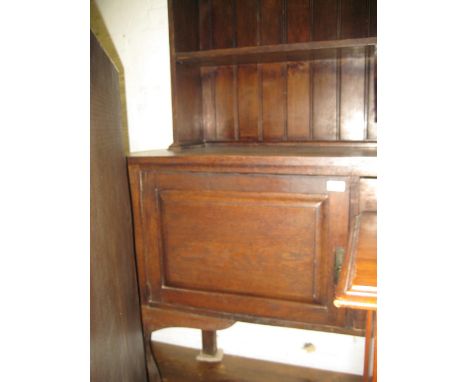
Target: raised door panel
{"x": 250, "y": 245}
{"x": 270, "y": 244}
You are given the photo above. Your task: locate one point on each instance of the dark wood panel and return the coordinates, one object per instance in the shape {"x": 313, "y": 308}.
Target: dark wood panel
{"x": 188, "y": 104}
{"x": 271, "y": 22}
{"x": 116, "y": 333}
{"x": 324, "y": 99}
{"x": 223, "y": 23}
{"x": 205, "y": 31}
{"x": 248, "y": 104}
{"x": 207, "y": 234}
{"x": 179, "y": 364}
{"x": 224, "y": 103}
{"x": 298, "y": 101}
{"x": 352, "y": 111}
{"x": 325, "y": 19}
{"x": 247, "y": 18}
{"x": 186, "y": 18}
{"x": 298, "y": 20}
{"x": 274, "y": 101}
{"x": 354, "y": 18}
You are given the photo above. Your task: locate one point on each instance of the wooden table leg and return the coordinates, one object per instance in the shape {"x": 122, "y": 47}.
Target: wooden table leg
{"x": 374, "y": 366}
{"x": 210, "y": 351}
{"x": 209, "y": 344}
{"x": 367, "y": 351}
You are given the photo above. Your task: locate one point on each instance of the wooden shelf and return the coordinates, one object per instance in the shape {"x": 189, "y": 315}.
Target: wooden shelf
{"x": 271, "y": 53}
{"x": 313, "y": 160}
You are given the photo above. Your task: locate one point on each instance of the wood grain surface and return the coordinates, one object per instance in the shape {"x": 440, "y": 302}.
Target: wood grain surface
{"x": 116, "y": 333}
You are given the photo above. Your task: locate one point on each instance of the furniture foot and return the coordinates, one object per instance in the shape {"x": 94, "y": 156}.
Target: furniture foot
{"x": 210, "y": 351}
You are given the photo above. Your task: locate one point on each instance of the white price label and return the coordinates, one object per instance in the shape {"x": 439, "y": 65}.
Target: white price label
{"x": 336, "y": 185}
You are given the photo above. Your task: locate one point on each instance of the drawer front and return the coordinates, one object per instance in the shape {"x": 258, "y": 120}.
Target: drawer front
{"x": 256, "y": 245}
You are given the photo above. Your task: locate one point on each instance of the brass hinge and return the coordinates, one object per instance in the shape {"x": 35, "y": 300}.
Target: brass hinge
{"x": 339, "y": 258}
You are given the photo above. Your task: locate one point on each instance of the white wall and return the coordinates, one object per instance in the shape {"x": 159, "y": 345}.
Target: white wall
{"x": 337, "y": 352}
{"x": 139, "y": 30}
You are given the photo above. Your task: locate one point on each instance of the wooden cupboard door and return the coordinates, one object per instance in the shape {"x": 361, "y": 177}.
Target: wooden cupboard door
{"x": 268, "y": 244}
{"x": 244, "y": 244}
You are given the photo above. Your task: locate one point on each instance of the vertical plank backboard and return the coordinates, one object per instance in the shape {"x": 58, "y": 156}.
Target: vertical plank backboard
{"x": 186, "y": 18}
{"x": 208, "y": 100}
{"x": 274, "y": 101}
{"x": 223, "y": 24}
{"x": 271, "y": 22}
{"x": 298, "y": 101}
{"x": 298, "y": 20}
{"x": 205, "y": 25}
{"x": 354, "y": 18}
{"x": 247, "y": 78}
{"x": 188, "y": 105}
{"x": 247, "y": 14}
{"x": 352, "y": 108}
{"x": 224, "y": 102}
{"x": 324, "y": 99}
{"x": 324, "y": 20}
{"x": 330, "y": 97}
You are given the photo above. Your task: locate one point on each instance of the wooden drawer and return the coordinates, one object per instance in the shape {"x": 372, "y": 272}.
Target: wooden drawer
{"x": 257, "y": 245}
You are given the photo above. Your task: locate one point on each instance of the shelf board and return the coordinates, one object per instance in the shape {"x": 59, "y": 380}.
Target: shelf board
{"x": 271, "y": 53}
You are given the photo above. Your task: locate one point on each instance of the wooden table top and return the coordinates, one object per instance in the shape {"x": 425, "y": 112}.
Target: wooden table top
{"x": 357, "y": 285}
